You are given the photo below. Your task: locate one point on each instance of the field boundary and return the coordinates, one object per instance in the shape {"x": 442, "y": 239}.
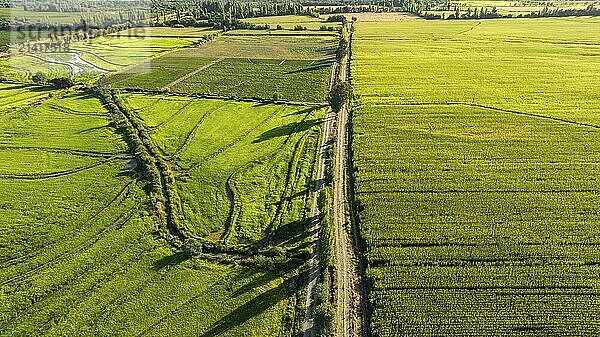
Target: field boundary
{"x": 189, "y": 75}
{"x": 223, "y": 98}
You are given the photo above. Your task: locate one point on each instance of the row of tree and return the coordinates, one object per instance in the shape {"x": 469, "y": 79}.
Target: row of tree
{"x": 221, "y": 14}
{"x": 486, "y": 13}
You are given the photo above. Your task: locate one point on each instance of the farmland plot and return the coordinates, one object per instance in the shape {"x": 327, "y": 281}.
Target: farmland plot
{"x": 90, "y": 58}
{"x": 79, "y": 253}
{"x": 477, "y": 175}
{"x": 244, "y": 169}
{"x": 289, "y": 68}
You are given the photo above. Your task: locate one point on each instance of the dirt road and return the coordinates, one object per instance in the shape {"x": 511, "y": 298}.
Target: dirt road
{"x": 351, "y": 294}
{"x": 314, "y": 263}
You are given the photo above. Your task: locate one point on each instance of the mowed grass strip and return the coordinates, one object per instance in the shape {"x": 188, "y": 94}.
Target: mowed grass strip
{"x": 479, "y": 217}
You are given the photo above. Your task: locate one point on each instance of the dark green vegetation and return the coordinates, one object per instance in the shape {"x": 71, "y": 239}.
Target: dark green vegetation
{"x": 81, "y": 252}
{"x": 291, "y": 68}
{"x": 477, "y": 176}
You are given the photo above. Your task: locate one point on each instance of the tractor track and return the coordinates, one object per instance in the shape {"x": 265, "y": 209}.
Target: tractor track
{"x": 314, "y": 263}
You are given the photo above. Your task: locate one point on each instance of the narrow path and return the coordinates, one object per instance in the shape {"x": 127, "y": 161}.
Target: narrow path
{"x": 187, "y": 76}
{"x": 314, "y": 272}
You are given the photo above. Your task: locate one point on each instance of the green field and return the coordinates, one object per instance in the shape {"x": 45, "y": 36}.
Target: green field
{"x": 263, "y": 153}
{"x": 296, "y": 68}
{"x": 80, "y": 254}
{"x": 91, "y": 58}
{"x": 477, "y": 169}
{"x": 288, "y": 22}
{"x": 188, "y": 32}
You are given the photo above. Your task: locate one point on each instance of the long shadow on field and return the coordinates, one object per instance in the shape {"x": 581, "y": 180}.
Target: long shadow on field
{"x": 292, "y": 232}
{"x": 169, "y": 261}
{"x": 316, "y": 66}
{"x": 256, "y": 283}
{"x": 287, "y": 130}
{"x": 254, "y": 307}
{"x": 302, "y": 112}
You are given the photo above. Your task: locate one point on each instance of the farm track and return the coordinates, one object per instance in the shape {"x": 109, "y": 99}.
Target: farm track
{"x": 189, "y": 75}
{"x": 314, "y": 264}
{"x": 351, "y": 298}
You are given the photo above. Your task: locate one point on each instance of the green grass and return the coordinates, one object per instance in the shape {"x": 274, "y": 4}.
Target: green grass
{"x": 264, "y": 152}
{"x": 477, "y": 168}
{"x": 79, "y": 253}
{"x": 296, "y": 68}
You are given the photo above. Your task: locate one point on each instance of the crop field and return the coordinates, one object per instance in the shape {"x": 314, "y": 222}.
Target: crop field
{"x": 243, "y": 169}
{"x": 97, "y": 56}
{"x": 187, "y": 32}
{"x": 295, "y": 68}
{"x": 477, "y": 175}
{"x": 79, "y": 253}
{"x": 288, "y": 22}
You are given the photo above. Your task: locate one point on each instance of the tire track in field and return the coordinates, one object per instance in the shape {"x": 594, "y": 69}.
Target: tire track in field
{"x": 70, "y": 234}
{"x": 58, "y": 174}
{"x": 70, "y": 151}
{"x": 488, "y": 107}
{"x": 228, "y": 228}
{"x": 21, "y": 277}
{"x": 192, "y": 132}
{"x": 184, "y": 305}
{"x": 250, "y": 164}
{"x": 470, "y": 29}
{"x": 120, "y": 221}
{"x": 170, "y": 118}
{"x": 286, "y": 198}
{"x": 199, "y": 163}
{"x": 68, "y": 111}
{"x": 100, "y": 58}
{"x": 187, "y": 76}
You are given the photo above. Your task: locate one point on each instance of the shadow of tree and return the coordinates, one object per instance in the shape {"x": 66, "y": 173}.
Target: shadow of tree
{"x": 306, "y": 111}
{"x": 252, "y": 308}
{"x": 168, "y": 261}
{"x": 256, "y": 283}
{"x": 316, "y": 66}
{"x": 287, "y": 130}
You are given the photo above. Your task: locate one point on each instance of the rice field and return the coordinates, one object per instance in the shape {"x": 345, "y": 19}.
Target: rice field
{"x": 476, "y": 175}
